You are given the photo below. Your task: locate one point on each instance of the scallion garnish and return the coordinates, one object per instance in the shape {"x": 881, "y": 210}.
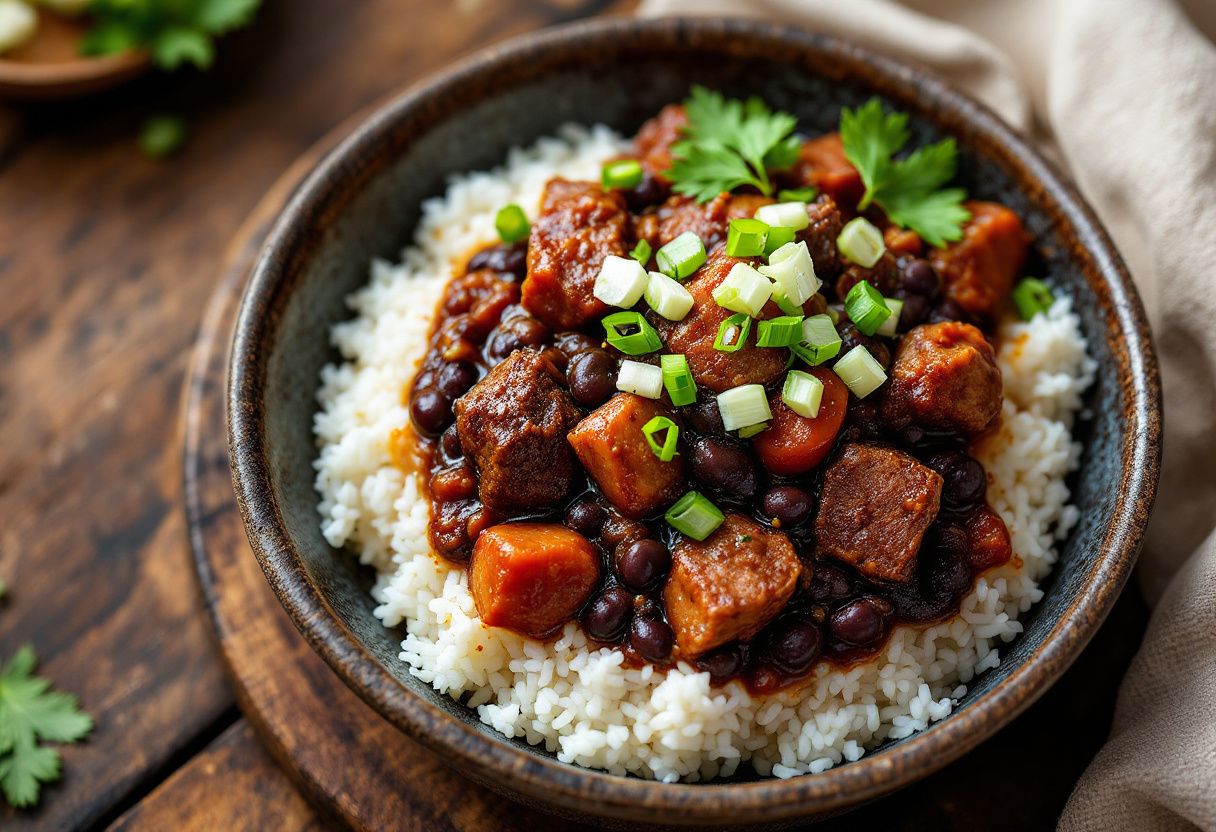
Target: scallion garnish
{"x": 677, "y": 378}
{"x": 802, "y": 393}
{"x": 861, "y": 242}
{"x": 511, "y": 223}
{"x": 694, "y": 516}
{"x": 682, "y": 256}
{"x": 891, "y": 324}
{"x": 641, "y": 252}
{"x": 779, "y": 332}
{"x": 820, "y": 340}
{"x": 631, "y": 333}
{"x": 745, "y": 237}
{"x": 621, "y": 281}
{"x": 668, "y": 297}
{"x": 751, "y": 430}
{"x": 666, "y": 451}
{"x": 791, "y": 268}
{"x": 744, "y": 290}
{"x": 1032, "y": 296}
{"x": 860, "y": 371}
{"x": 623, "y": 174}
{"x": 866, "y": 308}
{"x": 787, "y": 214}
{"x": 778, "y": 235}
{"x": 641, "y": 379}
{"x": 743, "y": 406}
{"x": 798, "y": 195}
{"x": 784, "y": 304}
{"x": 732, "y": 333}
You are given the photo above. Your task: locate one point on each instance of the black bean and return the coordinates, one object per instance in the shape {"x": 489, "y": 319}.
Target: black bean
{"x": 618, "y": 530}
{"x": 572, "y": 343}
{"x": 607, "y": 617}
{"x": 641, "y": 564}
{"x": 515, "y": 333}
{"x": 592, "y": 377}
{"x": 964, "y": 479}
{"x": 649, "y": 191}
{"x": 919, "y": 278}
{"x": 947, "y": 310}
{"x": 948, "y": 571}
{"x": 914, "y": 313}
{"x": 851, "y": 336}
{"x": 704, "y": 417}
{"x": 723, "y": 467}
{"x": 829, "y": 583}
{"x": 455, "y": 378}
{"x": 724, "y": 662}
{"x": 794, "y": 645}
{"x": 449, "y": 443}
{"x": 651, "y": 638}
{"x": 787, "y": 505}
{"x": 505, "y": 259}
{"x": 587, "y": 518}
{"x": 858, "y": 622}
{"x": 867, "y": 418}
{"x": 431, "y": 411}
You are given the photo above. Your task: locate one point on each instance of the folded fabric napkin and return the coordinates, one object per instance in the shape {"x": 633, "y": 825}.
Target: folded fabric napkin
{"x": 1123, "y": 92}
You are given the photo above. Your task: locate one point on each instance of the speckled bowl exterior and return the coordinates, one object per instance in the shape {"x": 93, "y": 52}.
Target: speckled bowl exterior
{"x": 362, "y": 201}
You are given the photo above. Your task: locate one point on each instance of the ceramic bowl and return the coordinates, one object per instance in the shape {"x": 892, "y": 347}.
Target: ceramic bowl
{"x": 362, "y": 201}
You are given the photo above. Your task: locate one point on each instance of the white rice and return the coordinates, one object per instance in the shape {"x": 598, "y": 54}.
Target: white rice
{"x": 576, "y": 699}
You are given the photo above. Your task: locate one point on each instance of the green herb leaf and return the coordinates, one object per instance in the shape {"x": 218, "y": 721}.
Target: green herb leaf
{"x": 162, "y": 135}
{"x": 728, "y": 144}
{"x": 31, "y": 712}
{"x": 175, "y": 32}
{"x": 220, "y": 16}
{"x": 908, "y": 189}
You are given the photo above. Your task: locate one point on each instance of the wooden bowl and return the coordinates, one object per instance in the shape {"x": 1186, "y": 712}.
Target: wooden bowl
{"x": 51, "y": 66}
{"x": 362, "y": 201}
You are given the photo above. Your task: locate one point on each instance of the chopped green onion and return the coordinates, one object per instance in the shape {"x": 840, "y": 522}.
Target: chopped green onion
{"x": 788, "y": 214}
{"x": 667, "y": 451}
{"x": 861, "y": 242}
{"x": 744, "y": 405}
{"x": 860, "y": 371}
{"x": 678, "y": 380}
{"x": 820, "y": 340}
{"x": 641, "y": 252}
{"x": 623, "y": 174}
{"x": 682, "y": 256}
{"x": 783, "y": 303}
{"x": 866, "y": 308}
{"x": 744, "y": 290}
{"x": 667, "y": 297}
{"x": 792, "y": 269}
{"x": 1032, "y": 296}
{"x": 621, "y": 281}
{"x": 732, "y": 333}
{"x": 798, "y": 195}
{"x": 802, "y": 393}
{"x": 641, "y": 379}
{"x": 745, "y": 237}
{"x": 891, "y": 324}
{"x": 834, "y": 314}
{"x": 631, "y": 333}
{"x": 511, "y": 223}
{"x": 694, "y": 516}
{"x": 751, "y": 430}
{"x": 779, "y": 332}
{"x": 778, "y": 235}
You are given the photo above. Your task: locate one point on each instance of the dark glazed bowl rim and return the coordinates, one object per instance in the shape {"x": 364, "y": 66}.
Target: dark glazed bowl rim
{"x": 541, "y": 779}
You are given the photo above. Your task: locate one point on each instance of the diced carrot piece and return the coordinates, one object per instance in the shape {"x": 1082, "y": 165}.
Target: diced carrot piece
{"x": 532, "y": 577}
{"x": 794, "y": 444}
{"x": 989, "y": 540}
{"x": 822, "y": 163}
{"x": 978, "y": 271}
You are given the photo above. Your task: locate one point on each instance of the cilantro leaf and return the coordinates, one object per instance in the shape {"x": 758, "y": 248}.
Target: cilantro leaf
{"x": 728, "y": 144}
{"x": 175, "y": 32}
{"x": 907, "y": 189}
{"x": 31, "y": 712}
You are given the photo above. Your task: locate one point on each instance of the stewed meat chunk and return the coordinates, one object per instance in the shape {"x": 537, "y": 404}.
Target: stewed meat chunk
{"x": 579, "y": 225}
{"x": 612, "y": 448}
{"x": 710, "y": 221}
{"x": 874, "y": 509}
{"x": 694, "y": 336}
{"x": 978, "y": 271}
{"x": 820, "y": 236}
{"x": 532, "y": 577}
{"x": 730, "y": 585}
{"x": 655, "y": 138}
{"x": 513, "y": 425}
{"x": 822, "y": 163}
{"x": 945, "y": 378}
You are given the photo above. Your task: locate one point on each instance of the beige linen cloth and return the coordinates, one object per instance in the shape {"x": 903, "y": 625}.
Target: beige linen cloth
{"x": 1124, "y": 93}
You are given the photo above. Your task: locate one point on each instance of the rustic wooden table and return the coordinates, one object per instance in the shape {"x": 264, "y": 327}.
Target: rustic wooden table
{"x": 106, "y": 263}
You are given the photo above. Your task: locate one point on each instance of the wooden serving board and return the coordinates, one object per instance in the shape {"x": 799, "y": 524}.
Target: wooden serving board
{"x": 360, "y": 772}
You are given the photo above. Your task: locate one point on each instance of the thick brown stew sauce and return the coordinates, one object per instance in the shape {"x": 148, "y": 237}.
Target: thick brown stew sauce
{"x": 836, "y": 613}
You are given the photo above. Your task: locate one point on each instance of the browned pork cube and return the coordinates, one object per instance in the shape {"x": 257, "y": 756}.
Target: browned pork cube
{"x": 612, "y": 448}
{"x": 945, "y": 378}
{"x": 875, "y": 506}
{"x": 978, "y": 271}
{"x": 820, "y": 236}
{"x": 694, "y": 336}
{"x": 513, "y": 425}
{"x": 655, "y": 138}
{"x": 710, "y": 221}
{"x": 579, "y": 225}
{"x": 730, "y": 585}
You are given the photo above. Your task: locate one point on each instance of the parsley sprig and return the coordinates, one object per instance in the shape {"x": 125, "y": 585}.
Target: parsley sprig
{"x": 908, "y": 189}
{"x": 31, "y": 713}
{"x": 728, "y": 144}
{"x": 175, "y": 32}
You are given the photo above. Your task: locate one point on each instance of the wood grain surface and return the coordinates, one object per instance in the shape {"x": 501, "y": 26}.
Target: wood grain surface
{"x": 107, "y": 260}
